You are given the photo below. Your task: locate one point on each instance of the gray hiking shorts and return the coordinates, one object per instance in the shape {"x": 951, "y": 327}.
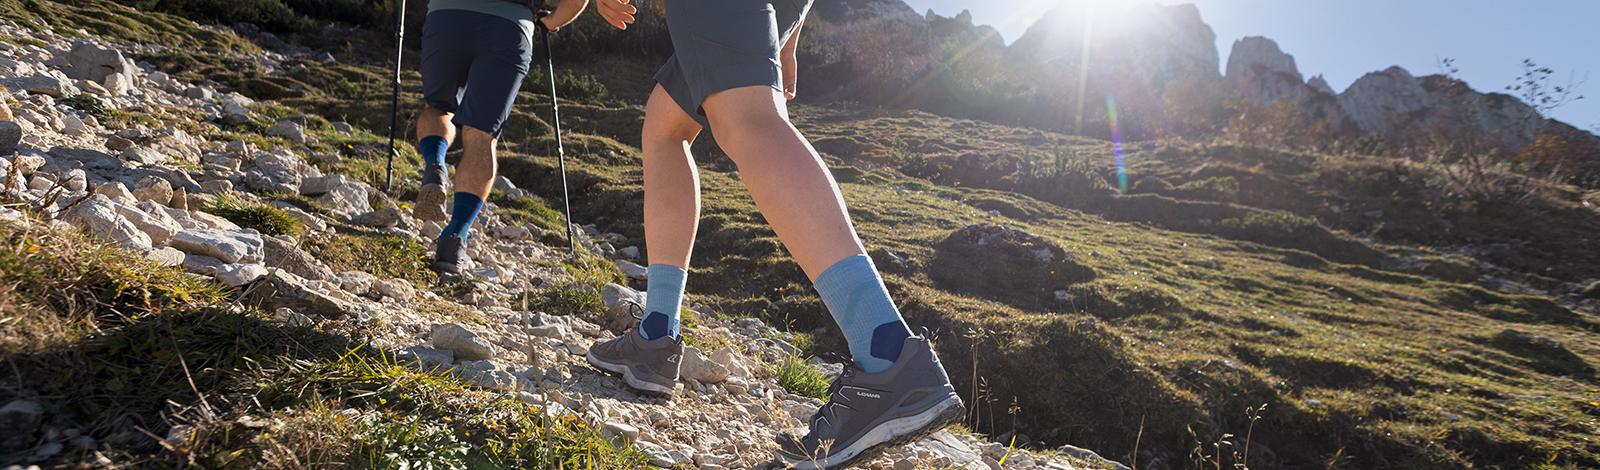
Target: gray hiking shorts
{"x": 724, "y": 44}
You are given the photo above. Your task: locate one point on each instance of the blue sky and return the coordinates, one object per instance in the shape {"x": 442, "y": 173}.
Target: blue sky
{"x": 1343, "y": 40}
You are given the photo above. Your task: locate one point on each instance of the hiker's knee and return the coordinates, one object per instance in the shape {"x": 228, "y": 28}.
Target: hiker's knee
{"x": 430, "y": 112}
{"x": 477, "y": 146}
{"x": 665, "y": 123}
{"x": 474, "y": 137}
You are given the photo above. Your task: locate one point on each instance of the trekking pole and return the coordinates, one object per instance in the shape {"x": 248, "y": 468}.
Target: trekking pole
{"x": 561, "y": 154}
{"x": 394, "y": 105}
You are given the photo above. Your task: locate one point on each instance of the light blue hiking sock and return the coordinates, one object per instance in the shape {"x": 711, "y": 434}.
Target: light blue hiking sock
{"x": 433, "y": 148}
{"x": 663, "y": 298}
{"x": 467, "y": 207}
{"x": 855, "y": 295}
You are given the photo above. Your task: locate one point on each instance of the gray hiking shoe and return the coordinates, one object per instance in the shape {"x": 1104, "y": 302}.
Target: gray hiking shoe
{"x": 448, "y": 254}
{"x": 867, "y": 413}
{"x": 648, "y": 365}
{"x": 431, "y": 198}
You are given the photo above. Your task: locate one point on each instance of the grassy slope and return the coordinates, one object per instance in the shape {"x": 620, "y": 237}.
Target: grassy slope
{"x": 1190, "y": 321}
{"x": 118, "y": 347}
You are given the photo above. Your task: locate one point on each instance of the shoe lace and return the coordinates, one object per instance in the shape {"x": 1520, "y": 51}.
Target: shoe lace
{"x": 635, "y": 309}
{"x": 829, "y": 412}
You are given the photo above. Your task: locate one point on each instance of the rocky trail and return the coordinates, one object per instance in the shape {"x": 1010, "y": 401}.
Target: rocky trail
{"x": 154, "y": 182}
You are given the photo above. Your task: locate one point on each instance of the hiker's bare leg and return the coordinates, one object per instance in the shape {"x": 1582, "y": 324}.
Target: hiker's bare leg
{"x": 475, "y": 173}
{"x": 788, "y": 180}
{"x": 435, "y": 122}
{"x": 671, "y": 182}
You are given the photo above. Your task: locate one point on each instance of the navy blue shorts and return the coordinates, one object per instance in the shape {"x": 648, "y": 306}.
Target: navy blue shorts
{"x": 725, "y": 44}
{"x": 472, "y": 65}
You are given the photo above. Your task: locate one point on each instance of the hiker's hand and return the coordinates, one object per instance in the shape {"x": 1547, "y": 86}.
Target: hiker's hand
{"x": 791, "y": 71}
{"x": 617, "y": 13}
{"x": 790, "y": 76}
{"x": 564, "y": 13}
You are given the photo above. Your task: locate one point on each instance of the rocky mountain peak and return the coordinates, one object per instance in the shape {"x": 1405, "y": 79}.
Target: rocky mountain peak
{"x": 1320, "y": 84}
{"x": 1259, "y": 55}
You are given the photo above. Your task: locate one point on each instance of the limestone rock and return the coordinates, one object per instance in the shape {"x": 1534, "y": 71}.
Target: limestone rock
{"x": 228, "y": 246}
{"x": 90, "y": 61}
{"x": 282, "y": 253}
{"x": 39, "y": 84}
{"x": 118, "y": 143}
{"x": 154, "y": 189}
{"x": 381, "y": 218}
{"x": 144, "y": 156}
{"x": 156, "y": 224}
{"x": 698, "y": 367}
{"x": 633, "y": 270}
{"x": 428, "y": 358}
{"x": 486, "y": 374}
{"x": 319, "y": 185}
{"x": 288, "y": 129}
{"x": 235, "y": 275}
{"x": 166, "y": 256}
{"x": 356, "y": 282}
{"x": 114, "y": 191}
{"x": 284, "y": 289}
{"x": 622, "y": 302}
{"x": 10, "y": 137}
{"x": 100, "y": 217}
{"x": 464, "y": 343}
{"x": 202, "y": 264}
{"x": 398, "y": 289}
{"x": 279, "y": 173}
{"x": 347, "y": 199}
{"x": 75, "y": 180}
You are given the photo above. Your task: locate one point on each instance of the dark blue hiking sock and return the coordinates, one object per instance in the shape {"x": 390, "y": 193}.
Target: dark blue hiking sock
{"x": 855, "y": 295}
{"x": 433, "y": 148}
{"x": 467, "y": 207}
{"x": 663, "y": 298}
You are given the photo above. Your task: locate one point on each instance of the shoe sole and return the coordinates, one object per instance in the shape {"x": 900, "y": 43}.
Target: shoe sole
{"x": 892, "y": 433}
{"x": 446, "y": 268}
{"x": 430, "y": 203}
{"x": 628, "y": 378}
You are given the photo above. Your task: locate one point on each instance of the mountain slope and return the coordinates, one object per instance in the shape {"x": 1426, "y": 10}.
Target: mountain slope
{"x": 1384, "y": 320}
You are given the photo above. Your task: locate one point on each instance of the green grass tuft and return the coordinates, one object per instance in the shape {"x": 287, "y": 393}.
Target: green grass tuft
{"x": 254, "y": 215}
{"x": 800, "y": 377}
{"x": 384, "y": 255}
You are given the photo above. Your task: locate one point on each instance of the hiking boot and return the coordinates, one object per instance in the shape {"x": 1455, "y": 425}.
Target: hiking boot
{"x": 430, "y": 199}
{"x": 447, "y": 254}
{"x": 649, "y": 365}
{"x": 867, "y": 413}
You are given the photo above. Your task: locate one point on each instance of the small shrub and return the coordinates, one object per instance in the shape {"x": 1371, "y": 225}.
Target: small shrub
{"x": 1270, "y": 224}
{"x": 580, "y": 87}
{"x": 410, "y": 443}
{"x": 1214, "y": 188}
{"x": 88, "y": 104}
{"x": 254, "y": 215}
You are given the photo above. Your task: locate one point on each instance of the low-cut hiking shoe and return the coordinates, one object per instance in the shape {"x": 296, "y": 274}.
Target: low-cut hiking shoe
{"x": 867, "y": 413}
{"x": 649, "y": 365}
{"x": 447, "y": 254}
{"x": 431, "y": 198}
